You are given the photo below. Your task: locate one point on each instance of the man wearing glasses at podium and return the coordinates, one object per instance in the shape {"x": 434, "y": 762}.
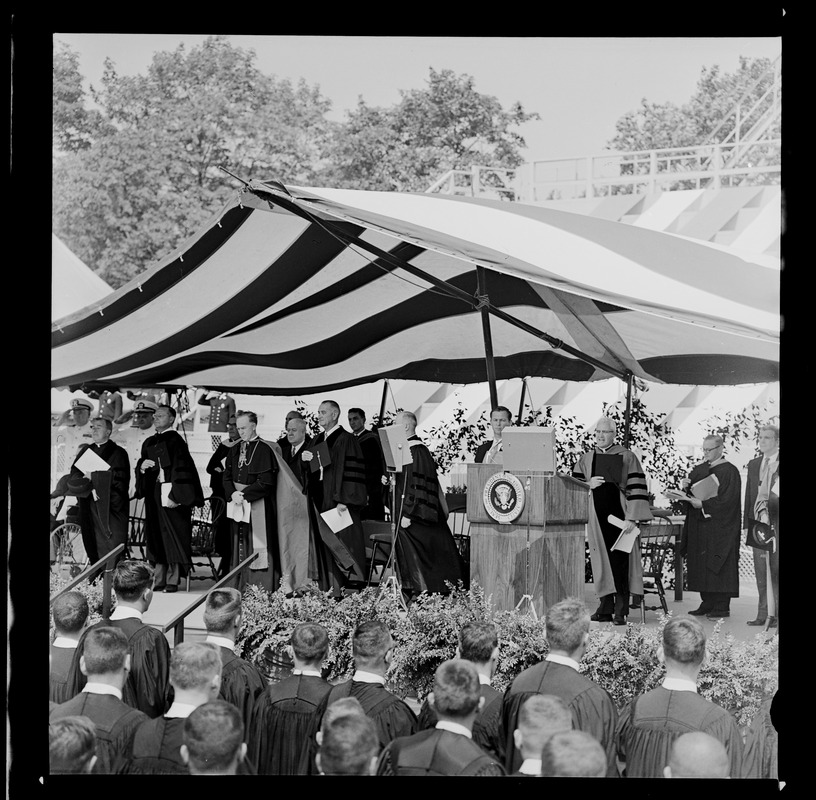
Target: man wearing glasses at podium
{"x": 618, "y": 486}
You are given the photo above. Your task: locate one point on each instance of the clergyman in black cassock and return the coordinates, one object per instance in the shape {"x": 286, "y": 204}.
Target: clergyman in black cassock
{"x": 427, "y": 556}
{"x": 104, "y": 503}
{"x": 593, "y": 709}
{"x": 167, "y": 479}
{"x": 251, "y": 475}
{"x": 711, "y": 534}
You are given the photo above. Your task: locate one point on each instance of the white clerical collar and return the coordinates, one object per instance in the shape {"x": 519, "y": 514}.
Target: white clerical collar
{"x": 679, "y": 685}
{"x": 102, "y": 688}
{"x": 180, "y": 710}
{"x": 126, "y": 612}
{"x": 64, "y": 641}
{"x": 221, "y": 641}
{"x": 530, "y": 766}
{"x": 362, "y": 676}
{"x": 453, "y": 727}
{"x": 313, "y": 672}
{"x": 565, "y": 660}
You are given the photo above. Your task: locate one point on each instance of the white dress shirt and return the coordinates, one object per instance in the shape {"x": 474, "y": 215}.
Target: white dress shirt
{"x": 679, "y": 685}
{"x": 565, "y": 660}
{"x": 362, "y": 676}
{"x": 454, "y": 727}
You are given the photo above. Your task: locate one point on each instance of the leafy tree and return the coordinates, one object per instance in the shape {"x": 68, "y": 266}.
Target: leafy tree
{"x": 149, "y": 175}
{"x": 73, "y": 124}
{"x": 447, "y": 126}
{"x": 657, "y": 125}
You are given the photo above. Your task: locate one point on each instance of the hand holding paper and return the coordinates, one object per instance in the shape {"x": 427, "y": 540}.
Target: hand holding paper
{"x": 240, "y": 512}
{"x": 90, "y": 462}
{"x": 337, "y": 519}
{"x": 626, "y": 540}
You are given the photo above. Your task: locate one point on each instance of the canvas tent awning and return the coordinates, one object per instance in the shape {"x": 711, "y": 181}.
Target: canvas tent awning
{"x": 292, "y": 290}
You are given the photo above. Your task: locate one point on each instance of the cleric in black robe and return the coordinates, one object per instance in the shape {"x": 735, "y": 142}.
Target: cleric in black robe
{"x": 374, "y": 464}
{"x": 427, "y": 555}
{"x": 167, "y": 479}
{"x": 215, "y": 469}
{"x": 711, "y": 534}
{"x": 251, "y": 478}
{"x": 340, "y": 484}
{"x": 103, "y": 504}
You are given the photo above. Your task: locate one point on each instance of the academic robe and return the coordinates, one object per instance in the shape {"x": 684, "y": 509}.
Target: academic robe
{"x": 711, "y": 544}
{"x": 61, "y": 660}
{"x": 255, "y": 476}
{"x": 592, "y": 708}
{"x": 115, "y": 724}
{"x": 761, "y": 754}
{"x": 392, "y": 717}
{"x": 295, "y": 463}
{"x": 437, "y": 752}
{"x": 343, "y": 481}
{"x": 215, "y": 469}
{"x": 484, "y": 726}
{"x": 241, "y": 685}
{"x": 374, "y": 470}
{"x": 168, "y": 531}
{"x": 148, "y": 683}
{"x": 629, "y": 501}
{"x": 649, "y": 724}
{"x": 281, "y": 723}
{"x": 427, "y": 555}
{"x": 104, "y": 522}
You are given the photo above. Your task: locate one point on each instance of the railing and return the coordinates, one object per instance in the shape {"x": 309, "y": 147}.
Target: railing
{"x": 647, "y": 171}
{"x": 88, "y": 572}
{"x": 478, "y": 181}
{"x": 176, "y": 624}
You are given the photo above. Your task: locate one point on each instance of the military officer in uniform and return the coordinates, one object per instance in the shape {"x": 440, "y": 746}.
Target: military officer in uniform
{"x": 222, "y": 408}
{"x": 132, "y": 437}
{"x": 73, "y": 430}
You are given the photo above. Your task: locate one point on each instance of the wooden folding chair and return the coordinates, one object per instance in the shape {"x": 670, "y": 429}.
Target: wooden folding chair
{"x": 653, "y": 550}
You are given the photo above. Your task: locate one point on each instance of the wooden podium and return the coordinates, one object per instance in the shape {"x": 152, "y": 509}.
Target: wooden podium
{"x": 557, "y": 509}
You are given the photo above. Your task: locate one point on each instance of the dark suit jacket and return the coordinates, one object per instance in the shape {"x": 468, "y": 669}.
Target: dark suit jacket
{"x": 752, "y": 488}
{"x": 481, "y": 451}
{"x": 295, "y": 464}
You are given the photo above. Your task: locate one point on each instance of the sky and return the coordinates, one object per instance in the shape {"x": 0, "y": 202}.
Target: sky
{"x": 579, "y": 86}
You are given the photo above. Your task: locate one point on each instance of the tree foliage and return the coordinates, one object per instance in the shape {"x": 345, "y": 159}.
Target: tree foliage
{"x": 658, "y": 125}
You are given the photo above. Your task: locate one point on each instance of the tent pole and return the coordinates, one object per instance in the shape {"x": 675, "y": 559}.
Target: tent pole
{"x": 382, "y": 403}
{"x": 521, "y": 399}
{"x": 481, "y": 283}
{"x": 630, "y": 379}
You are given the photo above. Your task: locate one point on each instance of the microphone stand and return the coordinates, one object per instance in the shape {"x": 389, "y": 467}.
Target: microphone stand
{"x": 392, "y": 582}
{"x": 527, "y": 596}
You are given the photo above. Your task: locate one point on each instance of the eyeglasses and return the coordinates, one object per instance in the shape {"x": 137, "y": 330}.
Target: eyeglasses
{"x": 711, "y": 449}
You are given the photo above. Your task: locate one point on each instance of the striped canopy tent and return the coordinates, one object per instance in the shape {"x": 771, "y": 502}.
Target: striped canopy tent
{"x": 294, "y": 291}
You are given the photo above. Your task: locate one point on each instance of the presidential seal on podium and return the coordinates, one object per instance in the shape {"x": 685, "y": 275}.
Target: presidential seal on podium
{"x": 503, "y": 497}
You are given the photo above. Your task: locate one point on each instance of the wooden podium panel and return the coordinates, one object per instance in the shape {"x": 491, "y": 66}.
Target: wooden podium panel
{"x": 500, "y": 562}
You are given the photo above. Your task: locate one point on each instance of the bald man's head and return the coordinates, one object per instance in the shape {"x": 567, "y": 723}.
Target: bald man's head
{"x": 698, "y": 755}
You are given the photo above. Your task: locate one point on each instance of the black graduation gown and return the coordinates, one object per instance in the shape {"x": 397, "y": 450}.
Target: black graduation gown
{"x": 343, "y": 482}
{"x": 259, "y": 477}
{"x": 374, "y": 470}
{"x": 168, "y": 531}
{"x": 222, "y": 541}
{"x": 241, "y": 684}
{"x": 649, "y": 724}
{"x": 61, "y": 660}
{"x": 761, "y": 756}
{"x": 592, "y": 708}
{"x": 282, "y": 721}
{"x": 148, "y": 683}
{"x": 392, "y": 717}
{"x": 155, "y": 749}
{"x": 437, "y": 752}
{"x": 427, "y": 555}
{"x": 104, "y": 522}
{"x": 115, "y": 724}
{"x": 487, "y": 718}
{"x": 711, "y": 545}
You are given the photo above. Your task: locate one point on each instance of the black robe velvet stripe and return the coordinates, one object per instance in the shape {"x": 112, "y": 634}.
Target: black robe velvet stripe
{"x": 282, "y": 721}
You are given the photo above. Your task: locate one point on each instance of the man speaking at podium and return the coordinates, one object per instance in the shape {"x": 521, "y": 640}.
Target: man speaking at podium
{"x": 618, "y": 486}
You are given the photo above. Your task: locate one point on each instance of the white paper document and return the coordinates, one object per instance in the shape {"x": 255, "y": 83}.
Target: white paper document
{"x": 240, "y": 512}
{"x": 90, "y": 462}
{"x": 625, "y": 541}
{"x": 337, "y": 520}
{"x": 166, "y": 488}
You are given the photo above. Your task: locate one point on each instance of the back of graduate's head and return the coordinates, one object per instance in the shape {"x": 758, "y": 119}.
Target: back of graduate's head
{"x": 131, "y": 579}
{"x": 573, "y": 754}
{"x": 371, "y": 643}
{"x": 478, "y": 641}
{"x": 213, "y": 739}
{"x": 104, "y": 652}
{"x": 567, "y": 625}
{"x": 456, "y": 689}
{"x": 684, "y": 641}
{"x": 697, "y": 755}
{"x": 343, "y": 705}
{"x": 540, "y": 716}
{"x": 70, "y": 612}
{"x": 221, "y": 610}
{"x": 195, "y": 666}
{"x": 349, "y": 746}
{"x": 309, "y": 642}
{"x": 71, "y": 745}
